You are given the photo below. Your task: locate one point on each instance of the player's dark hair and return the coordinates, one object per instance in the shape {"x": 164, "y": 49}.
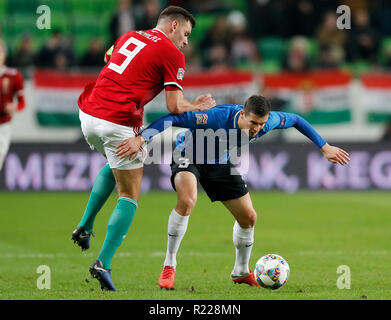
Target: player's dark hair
{"x": 177, "y": 13}
{"x": 258, "y": 105}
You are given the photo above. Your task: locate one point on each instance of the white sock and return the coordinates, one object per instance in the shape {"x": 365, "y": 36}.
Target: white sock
{"x": 243, "y": 241}
{"x": 177, "y": 226}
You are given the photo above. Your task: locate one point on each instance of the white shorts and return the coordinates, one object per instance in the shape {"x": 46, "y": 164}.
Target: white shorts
{"x": 104, "y": 136}
{"x": 5, "y": 139}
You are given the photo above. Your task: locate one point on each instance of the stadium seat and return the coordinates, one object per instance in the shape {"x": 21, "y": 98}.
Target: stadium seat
{"x": 204, "y": 22}
{"x": 271, "y": 66}
{"x": 87, "y": 24}
{"x": 361, "y": 66}
{"x": 384, "y": 47}
{"x": 86, "y": 7}
{"x": 272, "y": 48}
{"x": 313, "y": 49}
{"x": 21, "y": 6}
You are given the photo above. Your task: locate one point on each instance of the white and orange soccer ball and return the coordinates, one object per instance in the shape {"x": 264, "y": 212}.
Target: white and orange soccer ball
{"x": 271, "y": 271}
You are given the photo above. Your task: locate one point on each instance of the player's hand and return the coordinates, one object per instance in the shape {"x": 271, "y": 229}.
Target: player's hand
{"x": 205, "y": 102}
{"x": 11, "y": 108}
{"x": 335, "y": 154}
{"x": 130, "y": 147}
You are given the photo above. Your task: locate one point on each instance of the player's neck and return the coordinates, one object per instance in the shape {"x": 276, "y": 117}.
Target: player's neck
{"x": 163, "y": 30}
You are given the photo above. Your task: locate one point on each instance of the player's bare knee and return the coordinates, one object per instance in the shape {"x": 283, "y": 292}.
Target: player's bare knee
{"x": 186, "y": 205}
{"x": 190, "y": 203}
{"x": 248, "y": 220}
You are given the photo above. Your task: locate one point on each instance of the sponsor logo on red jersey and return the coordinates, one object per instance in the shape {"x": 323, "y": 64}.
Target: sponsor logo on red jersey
{"x": 180, "y": 74}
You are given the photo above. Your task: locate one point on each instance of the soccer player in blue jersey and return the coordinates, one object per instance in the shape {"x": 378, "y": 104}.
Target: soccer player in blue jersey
{"x": 214, "y": 170}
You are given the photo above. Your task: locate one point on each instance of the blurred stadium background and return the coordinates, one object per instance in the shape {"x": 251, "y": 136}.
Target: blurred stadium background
{"x": 290, "y": 51}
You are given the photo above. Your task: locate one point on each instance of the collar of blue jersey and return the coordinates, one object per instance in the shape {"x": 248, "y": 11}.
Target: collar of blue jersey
{"x": 236, "y": 119}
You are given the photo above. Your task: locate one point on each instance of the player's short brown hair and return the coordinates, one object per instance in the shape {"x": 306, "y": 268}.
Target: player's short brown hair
{"x": 258, "y": 105}
{"x": 177, "y": 13}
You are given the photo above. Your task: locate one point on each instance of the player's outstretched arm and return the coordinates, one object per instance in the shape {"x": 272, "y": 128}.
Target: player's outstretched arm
{"x": 283, "y": 120}
{"x": 130, "y": 147}
{"x": 177, "y": 103}
{"x": 335, "y": 154}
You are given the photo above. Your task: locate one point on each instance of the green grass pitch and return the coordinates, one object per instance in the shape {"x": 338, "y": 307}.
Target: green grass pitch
{"x": 316, "y": 232}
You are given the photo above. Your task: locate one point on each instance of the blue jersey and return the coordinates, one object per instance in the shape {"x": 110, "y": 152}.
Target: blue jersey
{"x": 217, "y": 129}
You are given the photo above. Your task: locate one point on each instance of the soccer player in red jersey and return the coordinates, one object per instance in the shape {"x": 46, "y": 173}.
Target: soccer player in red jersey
{"x": 139, "y": 66}
{"x": 11, "y": 87}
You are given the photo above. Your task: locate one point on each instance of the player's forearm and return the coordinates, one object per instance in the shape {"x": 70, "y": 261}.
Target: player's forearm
{"x": 306, "y": 129}
{"x": 177, "y": 103}
{"x": 187, "y": 105}
{"x": 182, "y": 105}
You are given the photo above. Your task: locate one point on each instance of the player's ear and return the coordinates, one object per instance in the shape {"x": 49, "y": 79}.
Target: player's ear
{"x": 174, "y": 25}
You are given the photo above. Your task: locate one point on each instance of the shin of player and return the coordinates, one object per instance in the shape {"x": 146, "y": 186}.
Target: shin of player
{"x": 186, "y": 186}
{"x": 243, "y": 233}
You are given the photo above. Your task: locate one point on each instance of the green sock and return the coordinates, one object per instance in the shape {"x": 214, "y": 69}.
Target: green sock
{"x": 103, "y": 186}
{"x": 117, "y": 228}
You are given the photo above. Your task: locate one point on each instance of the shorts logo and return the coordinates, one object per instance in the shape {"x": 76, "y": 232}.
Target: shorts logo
{"x": 202, "y": 118}
{"x": 180, "y": 74}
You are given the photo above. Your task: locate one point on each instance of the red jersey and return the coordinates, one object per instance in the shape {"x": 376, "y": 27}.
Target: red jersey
{"x": 141, "y": 65}
{"x": 11, "y": 86}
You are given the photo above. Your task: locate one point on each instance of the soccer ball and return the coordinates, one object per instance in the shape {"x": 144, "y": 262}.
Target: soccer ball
{"x": 271, "y": 271}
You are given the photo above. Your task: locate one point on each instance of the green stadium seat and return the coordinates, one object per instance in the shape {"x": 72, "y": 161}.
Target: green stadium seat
{"x": 87, "y": 7}
{"x": 384, "y": 47}
{"x": 88, "y": 24}
{"x": 204, "y": 23}
{"x": 271, "y": 66}
{"x": 57, "y": 6}
{"x": 21, "y": 6}
{"x": 3, "y": 9}
{"x": 361, "y": 66}
{"x": 80, "y": 44}
{"x": 107, "y": 6}
{"x": 272, "y": 48}
{"x": 19, "y": 24}
{"x": 313, "y": 49}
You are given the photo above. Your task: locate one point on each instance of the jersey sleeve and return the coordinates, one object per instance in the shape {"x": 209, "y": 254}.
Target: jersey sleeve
{"x": 190, "y": 119}
{"x": 284, "y": 120}
{"x": 173, "y": 70}
{"x": 163, "y": 123}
